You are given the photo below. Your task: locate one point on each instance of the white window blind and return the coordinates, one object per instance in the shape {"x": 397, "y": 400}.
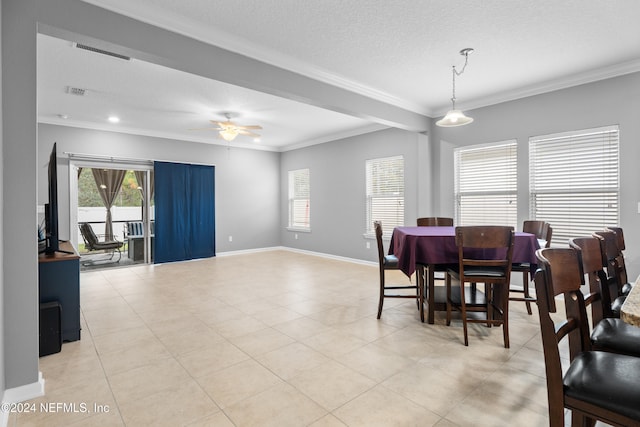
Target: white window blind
{"x": 486, "y": 184}
{"x": 299, "y": 199}
{"x": 574, "y": 181}
{"x": 385, "y": 193}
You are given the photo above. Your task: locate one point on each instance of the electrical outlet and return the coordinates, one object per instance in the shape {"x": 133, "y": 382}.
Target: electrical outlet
{"x": 368, "y": 245}
{"x": 295, "y": 236}
{"x": 231, "y": 238}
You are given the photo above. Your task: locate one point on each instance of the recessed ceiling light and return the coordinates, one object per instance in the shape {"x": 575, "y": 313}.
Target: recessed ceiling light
{"x": 256, "y": 139}
{"x": 63, "y": 116}
{"x": 114, "y": 119}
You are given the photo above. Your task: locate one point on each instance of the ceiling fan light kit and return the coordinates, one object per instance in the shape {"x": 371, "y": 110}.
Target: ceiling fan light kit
{"x": 456, "y": 117}
{"x": 229, "y": 130}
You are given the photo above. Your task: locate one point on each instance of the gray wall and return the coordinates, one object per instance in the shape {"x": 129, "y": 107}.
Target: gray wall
{"x": 337, "y": 174}
{"x": 608, "y": 102}
{"x": 247, "y": 181}
{"x": 2, "y": 380}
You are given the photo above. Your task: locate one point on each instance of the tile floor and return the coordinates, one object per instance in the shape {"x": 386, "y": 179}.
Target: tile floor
{"x": 278, "y": 338}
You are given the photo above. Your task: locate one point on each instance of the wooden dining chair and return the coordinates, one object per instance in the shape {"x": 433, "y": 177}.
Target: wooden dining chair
{"x": 435, "y": 221}
{"x": 390, "y": 262}
{"x": 626, "y": 286}
{"x": 543, "y": 232}
{"x": 596, "y": 385}
{"x": 484, "y": 256}
{"x": 438, "y": 270}
{"x": 613, "y": 261}
{"x": 608, "y": 333}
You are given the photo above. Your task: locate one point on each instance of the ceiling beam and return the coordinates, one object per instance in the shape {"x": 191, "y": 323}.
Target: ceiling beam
{"x": 81, "y": 22}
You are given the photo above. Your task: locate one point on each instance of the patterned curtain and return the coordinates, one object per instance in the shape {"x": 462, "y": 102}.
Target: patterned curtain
{"x": 109, "y": 182}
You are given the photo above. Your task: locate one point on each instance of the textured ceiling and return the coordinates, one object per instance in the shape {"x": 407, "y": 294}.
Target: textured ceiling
{"x": 401, "y": 51}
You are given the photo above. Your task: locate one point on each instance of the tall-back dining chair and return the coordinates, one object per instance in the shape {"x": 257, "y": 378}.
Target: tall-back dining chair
{"x": 620, "y": 246}
{"x": 484, "y": 256}
{"x": 613, "y": 261}
{"x": 435, "y": 221}
{"x": 543, "y": 232}
{"x": 437, "y": 270}
{"x": 390, "y": 262}
{"x": 596, "y": 385}
{"x": 608, "y": 333}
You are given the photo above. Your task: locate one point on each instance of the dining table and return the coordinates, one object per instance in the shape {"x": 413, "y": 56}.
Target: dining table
{"x": 630, "y": 310}
{"x": 426, "y": 249}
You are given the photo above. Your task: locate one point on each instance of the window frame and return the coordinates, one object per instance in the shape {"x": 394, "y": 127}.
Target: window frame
{"x": 593, "y": 154}
{"x": 294, "y": 196}
{"x": 388, "y": 220}
{"x": 471, "y": 183}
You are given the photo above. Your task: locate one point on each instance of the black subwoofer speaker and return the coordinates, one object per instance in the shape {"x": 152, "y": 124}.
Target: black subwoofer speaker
{"x": 50, "y": 328}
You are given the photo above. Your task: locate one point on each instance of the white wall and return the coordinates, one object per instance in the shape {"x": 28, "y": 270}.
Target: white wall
{"x": 615, "y": 101}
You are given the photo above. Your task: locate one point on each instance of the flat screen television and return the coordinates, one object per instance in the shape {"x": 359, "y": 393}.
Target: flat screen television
{"x": 52, "y": 242}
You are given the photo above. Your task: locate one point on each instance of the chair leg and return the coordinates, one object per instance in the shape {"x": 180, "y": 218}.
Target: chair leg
{"x": 489, "y": 295}
{"x": 420, "y": 290}
{"x": 463, "y": 309}
{"x": 504, "y": 291}
{"x": 448, "y": 298}
{"x": 381, "y": 300}
{"x": 525, "y": 284}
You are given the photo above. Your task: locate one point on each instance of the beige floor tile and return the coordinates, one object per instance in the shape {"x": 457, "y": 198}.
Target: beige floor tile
{"x": 211, "y": 359}
{"x": 115, "y": 341}
{"x": 302, "y": 328}
{"x": 133, "y": 355}
{"x": 219, "y": 419}
{"x": 375, "y": 362}
{"x": 182, "y": 404}
{"x": 328, "y": 421}
{"x": 173, "y": 344}
{"x": 262, "y": 341}
{"x": 334, "y": 343}
{"x": 140, "y": 382}
{"x": 238, "y": 382}
{"x": 331, "y": 384}
{"x": 279, "y": 406}
{"x": 383, "y": 407}
{"x": 291, "y": 360}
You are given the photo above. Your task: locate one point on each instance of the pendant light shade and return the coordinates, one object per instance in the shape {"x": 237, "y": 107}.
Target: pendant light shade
{"x": 455, "y": 117}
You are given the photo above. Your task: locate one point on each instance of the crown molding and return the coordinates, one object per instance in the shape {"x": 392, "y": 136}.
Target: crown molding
{"x": 566, "y": 82}
{"x": 154, "y": 134}
{"x": 334, "y": 137}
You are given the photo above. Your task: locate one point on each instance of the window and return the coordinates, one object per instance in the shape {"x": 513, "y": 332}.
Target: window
{"x": 385, "y": 193}
{"x": 574, "y": 182}
{"x": 486, "y": 184}
{"x": 299, "y": 200}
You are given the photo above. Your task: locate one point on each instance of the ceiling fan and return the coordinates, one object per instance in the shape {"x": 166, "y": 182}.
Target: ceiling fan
{"x": 228, "y": 130}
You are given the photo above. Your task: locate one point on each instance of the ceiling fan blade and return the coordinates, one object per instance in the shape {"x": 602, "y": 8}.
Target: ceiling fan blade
{"x": 206, "y": 128}
{"x": 246, "y": 132}
{"x": 249, "y": 127}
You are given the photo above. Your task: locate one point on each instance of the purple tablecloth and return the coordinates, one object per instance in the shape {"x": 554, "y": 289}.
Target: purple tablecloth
{"x": 437, "y": 245}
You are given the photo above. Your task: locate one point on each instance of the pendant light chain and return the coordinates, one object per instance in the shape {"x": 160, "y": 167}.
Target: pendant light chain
{"x": 464, "y": 52}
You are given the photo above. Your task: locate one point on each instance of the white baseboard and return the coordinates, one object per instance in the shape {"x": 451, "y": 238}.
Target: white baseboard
{"x": 301, "y": 251}
{"x": 20, "y": 394}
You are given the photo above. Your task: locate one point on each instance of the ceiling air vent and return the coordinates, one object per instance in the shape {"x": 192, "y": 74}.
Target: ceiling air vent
{"x": 101, "y": 51}
{"x": 76, "y": 91}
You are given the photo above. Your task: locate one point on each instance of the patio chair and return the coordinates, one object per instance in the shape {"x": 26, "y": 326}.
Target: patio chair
{"x": 92, "y": 243}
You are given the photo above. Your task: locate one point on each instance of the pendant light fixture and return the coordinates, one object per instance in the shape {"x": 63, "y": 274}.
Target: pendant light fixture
{"x": 456, "y": 117}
